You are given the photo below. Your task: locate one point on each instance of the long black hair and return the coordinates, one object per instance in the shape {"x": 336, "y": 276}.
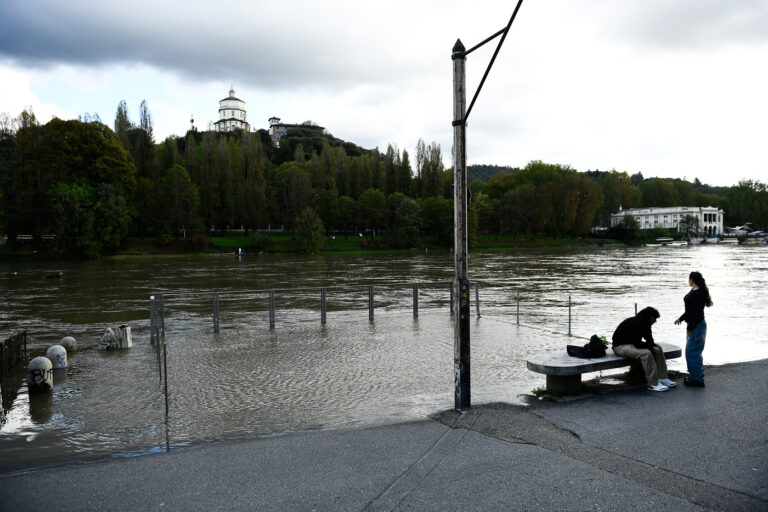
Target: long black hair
{"x": 698, "y": 280}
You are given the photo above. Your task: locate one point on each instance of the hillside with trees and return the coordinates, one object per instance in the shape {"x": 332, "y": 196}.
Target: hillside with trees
{"x": 82, "y": 188}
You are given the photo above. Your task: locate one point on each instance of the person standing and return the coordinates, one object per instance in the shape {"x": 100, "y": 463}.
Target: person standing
{"x": 696, "y": 328}
{"x": 628, "y": 342}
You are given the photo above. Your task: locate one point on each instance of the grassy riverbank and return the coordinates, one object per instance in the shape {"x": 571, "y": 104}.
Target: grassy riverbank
{"x": 281, "y": 242}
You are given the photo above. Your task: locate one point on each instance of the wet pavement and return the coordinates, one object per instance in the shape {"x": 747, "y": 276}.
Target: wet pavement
{"x": 622, "y": 449}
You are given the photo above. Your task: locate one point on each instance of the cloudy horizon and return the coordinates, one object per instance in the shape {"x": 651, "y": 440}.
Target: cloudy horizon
{"x": 672, "y": 88}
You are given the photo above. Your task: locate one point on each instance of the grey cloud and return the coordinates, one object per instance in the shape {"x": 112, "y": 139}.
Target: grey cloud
{"x": 253, "y": 49}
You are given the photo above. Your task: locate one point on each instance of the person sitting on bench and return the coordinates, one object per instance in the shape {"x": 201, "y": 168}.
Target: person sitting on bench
{"x": 628, "y": 342}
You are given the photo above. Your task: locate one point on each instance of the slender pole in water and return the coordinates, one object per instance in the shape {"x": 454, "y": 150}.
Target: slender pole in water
{"x": 322, "y": 306}
{"x": 477, "y": 300}
{"x": 569, "y": 315}
{"x": 518, "y": 307}
{"x": 271, "y": 309}
{"x": 165, "y": 363}
{"x": 162, "y": 315}
{"x": 451, "y": 298}
{"x": 159, "y": 363}
{"x": 370, "y": 303}
{"x": 415, "y": 300}
{"x": 152, "y": 319}
{"x": 635, "y": 308}
{"x": 215, "y": 312}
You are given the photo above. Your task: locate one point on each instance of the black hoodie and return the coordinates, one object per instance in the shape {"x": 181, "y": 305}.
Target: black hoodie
{"x": 632, "y": 331}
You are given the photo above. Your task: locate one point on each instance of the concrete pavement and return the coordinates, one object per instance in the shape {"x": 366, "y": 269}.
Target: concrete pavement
{"x": 628, "y": 449}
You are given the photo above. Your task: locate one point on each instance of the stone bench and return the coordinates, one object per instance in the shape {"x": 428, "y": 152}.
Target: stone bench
{"x": 564, "y": 372}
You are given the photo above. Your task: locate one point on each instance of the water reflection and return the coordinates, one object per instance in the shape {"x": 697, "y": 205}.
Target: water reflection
{"x": 249, "y": 380}
{"x": 40, "y": 407}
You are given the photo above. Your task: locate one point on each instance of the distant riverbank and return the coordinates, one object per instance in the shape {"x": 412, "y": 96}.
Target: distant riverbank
{"x": 277, "y": 242}
{"x": 281, "y": 242}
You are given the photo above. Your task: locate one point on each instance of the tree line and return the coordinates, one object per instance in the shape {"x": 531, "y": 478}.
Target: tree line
{"x": 81, "y": 187}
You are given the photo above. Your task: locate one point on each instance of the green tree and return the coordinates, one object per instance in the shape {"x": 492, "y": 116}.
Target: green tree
{"x": 348, "y": 215}
{"x": 407, "y": 224}
{"x": 659, "y": 192}
{"x": 326, "y": 204}
{"x": 11, "y": 216}
{"x": 293, "y": 193}
{"x": 73, "y": 219}
{"x": 88, "y": 221}
{"x": 372, "y": 209}
{"x": 747, "y": 202}
{"x": 405, "y": 175}
{"x": 587, "y": 197}
{"x": 617, "y": 193}
{"x": 309, "y": 232}
{"x": 437, "y": 218}
{"x": 476, "y": 188}
{"x": 254, "y": 182}
{"x": 179, "y": 206}
{"x": 432, "y": 170}
{"x": 393, "y": 203}
{"x": 628, "y": 230}
{"x": 489, "y": 213}
{"x": 123, "y": 125}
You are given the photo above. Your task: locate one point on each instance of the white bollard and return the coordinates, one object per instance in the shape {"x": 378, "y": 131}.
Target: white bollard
{"x": 109, "y": 340}
{"x": 40, "y": 375}
{"x": 69, "y": 343}
{"x": 58, "y": 357}
{"x": 126, "y": 341}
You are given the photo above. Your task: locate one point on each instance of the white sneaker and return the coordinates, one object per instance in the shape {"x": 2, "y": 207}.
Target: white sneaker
{"x": 658, "y": 387}
{"x": 668, "y": 383}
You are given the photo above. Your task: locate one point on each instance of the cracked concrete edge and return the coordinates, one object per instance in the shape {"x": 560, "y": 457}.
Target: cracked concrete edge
{"x": 518, "y": 424}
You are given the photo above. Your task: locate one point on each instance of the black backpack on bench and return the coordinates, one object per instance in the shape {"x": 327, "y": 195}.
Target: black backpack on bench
{"x": 591, "y": 350}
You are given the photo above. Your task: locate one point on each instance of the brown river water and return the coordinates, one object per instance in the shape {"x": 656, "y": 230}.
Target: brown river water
{"x": 248, "y": 380}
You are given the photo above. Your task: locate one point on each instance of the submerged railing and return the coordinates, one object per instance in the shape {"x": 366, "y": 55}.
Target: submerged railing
{"x": 272, "y": 300}
{"x": 13, "y": 351}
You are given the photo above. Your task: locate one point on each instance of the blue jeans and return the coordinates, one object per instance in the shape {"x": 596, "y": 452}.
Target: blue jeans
{"x": 694, "y": 346}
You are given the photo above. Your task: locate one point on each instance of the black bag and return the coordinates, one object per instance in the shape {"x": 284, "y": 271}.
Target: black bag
{"x": 591, "y": 350}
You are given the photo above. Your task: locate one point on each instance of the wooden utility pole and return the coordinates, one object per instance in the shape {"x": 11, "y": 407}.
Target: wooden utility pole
{"x": 460, "y": 286}
{"x": 461, "y": 359}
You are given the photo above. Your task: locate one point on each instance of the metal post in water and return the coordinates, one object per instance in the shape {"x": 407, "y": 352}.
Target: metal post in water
{"x": 451, "y": 298}
{"x": 271, "y": 309}
{"x": 569, "y": 315}
{"x": 165, "y": 363}
{"x": 159, "y": 363}
{"x": 415, "y": 300}
{"x": 162, "y": 316}
{"x": 322, "y": 306}
{"x": 518, "y": 307}
{"x": 152, "y": 319}
{"x": 370, "y": 303}
{"x": 635, "y": 308}
{"x": 477, "y": 300}
{"x": 215, "y": 312}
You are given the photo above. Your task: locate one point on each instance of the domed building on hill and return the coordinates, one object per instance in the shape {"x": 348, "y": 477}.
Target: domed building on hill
{"x": 231, "y": 114}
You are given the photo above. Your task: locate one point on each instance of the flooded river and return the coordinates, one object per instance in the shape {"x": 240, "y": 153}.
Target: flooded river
{"x": 248, "y": 380}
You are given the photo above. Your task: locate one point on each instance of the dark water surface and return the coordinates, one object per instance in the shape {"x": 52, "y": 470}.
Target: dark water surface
{"x": 247, "y": 380}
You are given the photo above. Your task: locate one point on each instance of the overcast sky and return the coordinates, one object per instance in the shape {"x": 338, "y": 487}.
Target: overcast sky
{"x": 669, "y": 88}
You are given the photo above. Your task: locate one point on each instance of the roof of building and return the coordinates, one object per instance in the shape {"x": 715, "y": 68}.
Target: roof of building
{"x": 226, "y": 119}
{"x": 661, "y": 209}
{"x": 288, "y": 125}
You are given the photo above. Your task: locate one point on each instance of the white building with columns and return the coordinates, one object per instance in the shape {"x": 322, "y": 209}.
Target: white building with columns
{"x": 231, "y": 114}
{"x": 710, "y": 218}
